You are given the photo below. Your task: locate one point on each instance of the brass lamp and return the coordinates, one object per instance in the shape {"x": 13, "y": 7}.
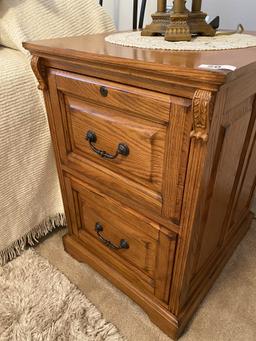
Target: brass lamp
{"x": 178, "y": 24}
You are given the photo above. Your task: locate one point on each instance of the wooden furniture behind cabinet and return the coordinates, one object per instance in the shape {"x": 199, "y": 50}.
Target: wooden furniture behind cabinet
{"x": 156, "y": 160}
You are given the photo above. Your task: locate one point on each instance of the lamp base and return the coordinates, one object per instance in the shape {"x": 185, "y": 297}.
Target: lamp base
{"x": 198, "y": 25}
{"x": 178, "y": 29}
{"x": 178, "y": 26}
{"x": 160, "y": 22}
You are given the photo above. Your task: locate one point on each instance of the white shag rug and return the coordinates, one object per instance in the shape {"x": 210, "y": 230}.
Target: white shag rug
{"x": 219, "y": 42}
{"x": 38, "y": 303}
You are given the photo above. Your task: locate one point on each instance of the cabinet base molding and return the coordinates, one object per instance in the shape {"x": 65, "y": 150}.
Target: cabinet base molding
{"x": 172, "y": 325}
{"x": 156, "y": 312}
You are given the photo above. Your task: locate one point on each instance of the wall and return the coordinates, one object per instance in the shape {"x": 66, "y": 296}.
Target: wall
{"x": 232, "y": 12}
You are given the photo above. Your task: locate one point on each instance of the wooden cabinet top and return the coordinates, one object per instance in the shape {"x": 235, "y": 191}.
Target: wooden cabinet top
{"x": 184, "y": 65}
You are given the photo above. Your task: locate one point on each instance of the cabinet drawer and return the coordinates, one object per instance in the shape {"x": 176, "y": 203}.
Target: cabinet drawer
{"x": 144, "y": 103}
{"x": 131, "y": 149}
{"x": 127, "y": 241}
{"x": 128, "y": 146}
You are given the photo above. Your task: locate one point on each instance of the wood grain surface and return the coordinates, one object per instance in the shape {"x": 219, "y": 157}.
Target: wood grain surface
{"x": 182, "y": 197}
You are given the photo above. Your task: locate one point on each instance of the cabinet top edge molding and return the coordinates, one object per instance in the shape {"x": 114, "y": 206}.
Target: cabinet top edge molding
{"x": 182, "y": 64}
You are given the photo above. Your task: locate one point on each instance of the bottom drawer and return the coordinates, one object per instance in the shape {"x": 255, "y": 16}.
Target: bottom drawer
{"x": 141, "y": 250}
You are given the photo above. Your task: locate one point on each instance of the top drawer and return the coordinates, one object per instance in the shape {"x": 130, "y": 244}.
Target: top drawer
{"x": 155, "y": 127}
{"x": 145, "y": 103}
{"x": 117, "y": 129}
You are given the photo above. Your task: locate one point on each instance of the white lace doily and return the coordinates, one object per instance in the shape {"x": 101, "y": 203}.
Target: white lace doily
{"x": 219, "y": 42}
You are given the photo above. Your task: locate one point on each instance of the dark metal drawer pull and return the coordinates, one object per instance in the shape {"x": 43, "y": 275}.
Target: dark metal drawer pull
{"x": 122, "y": 148}
{"x": 103, "y": 91}
{"x": 123, "y": 243}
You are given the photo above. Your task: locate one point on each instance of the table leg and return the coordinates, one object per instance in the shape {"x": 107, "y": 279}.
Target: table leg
{"x": 142, "y": 13}
{"x": 135, "y": 14}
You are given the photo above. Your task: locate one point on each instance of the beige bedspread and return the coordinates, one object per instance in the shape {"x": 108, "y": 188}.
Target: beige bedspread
{"x": 29, "y": 190}
{"x": 30, "y": 200}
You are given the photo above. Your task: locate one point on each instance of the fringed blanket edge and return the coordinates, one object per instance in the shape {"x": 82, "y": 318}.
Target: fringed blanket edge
{"x": 32, "y": 237}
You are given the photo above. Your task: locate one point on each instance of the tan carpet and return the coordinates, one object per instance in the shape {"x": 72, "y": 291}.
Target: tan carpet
{"x": 227, "y": 314}
{"x": 38, "y": 303}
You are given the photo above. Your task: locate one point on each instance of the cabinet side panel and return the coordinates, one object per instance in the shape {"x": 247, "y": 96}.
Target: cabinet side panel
{"x": 223, "y": 211}
{"x": 238, "y": 127}
{"x": 222, "y": 215}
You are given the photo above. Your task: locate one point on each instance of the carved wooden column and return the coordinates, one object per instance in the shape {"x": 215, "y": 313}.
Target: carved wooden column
{"x": 178, "y": 29}
{"x": 39, "y": 72}
{"x": 202, "y": 110}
